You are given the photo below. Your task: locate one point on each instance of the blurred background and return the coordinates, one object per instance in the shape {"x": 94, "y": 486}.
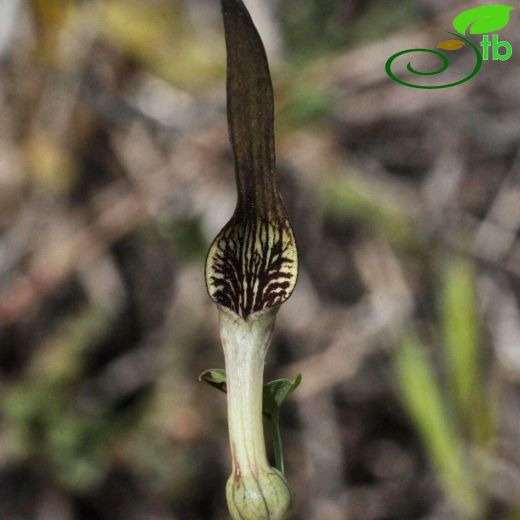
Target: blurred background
{"x": 115, "y": 175}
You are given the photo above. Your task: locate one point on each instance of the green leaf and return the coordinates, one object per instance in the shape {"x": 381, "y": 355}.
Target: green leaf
{"x": 460, "y": 334}
{"x": 354, "y": 198}
{"x": 461, "y": 348}
{"x": 422, "y": 396}
{"x": 215, "y": 377}
{"x": 483, "y": 19}
{"x": 275, "y": 393}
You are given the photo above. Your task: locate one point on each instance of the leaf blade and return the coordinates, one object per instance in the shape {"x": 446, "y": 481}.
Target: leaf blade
{"x": 424, "y": 400}
{"x": 215, "y": 377}
{"x": 276, "y": 392}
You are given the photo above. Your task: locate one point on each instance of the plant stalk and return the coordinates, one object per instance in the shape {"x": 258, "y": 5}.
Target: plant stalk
{"x": 255, "y": 490}
{"x": 245, "y": 346}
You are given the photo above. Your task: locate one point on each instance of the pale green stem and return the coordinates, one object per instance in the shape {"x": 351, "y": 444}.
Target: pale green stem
{"x": 245, "y": 346}
{"x": 255, "y": 490}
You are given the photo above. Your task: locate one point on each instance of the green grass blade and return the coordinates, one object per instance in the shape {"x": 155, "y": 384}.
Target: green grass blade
{"x": 460, "y": 330}
{"x": 424, "y": 401}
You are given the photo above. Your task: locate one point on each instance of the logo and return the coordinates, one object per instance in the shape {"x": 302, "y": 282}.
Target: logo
{"x": 478, "y": 20}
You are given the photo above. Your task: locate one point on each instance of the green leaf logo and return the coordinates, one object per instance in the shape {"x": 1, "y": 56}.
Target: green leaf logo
{"x": 484, "y": 19}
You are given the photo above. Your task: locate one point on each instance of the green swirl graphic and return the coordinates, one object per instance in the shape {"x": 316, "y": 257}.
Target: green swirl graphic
{"x": 442, "y": 68}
